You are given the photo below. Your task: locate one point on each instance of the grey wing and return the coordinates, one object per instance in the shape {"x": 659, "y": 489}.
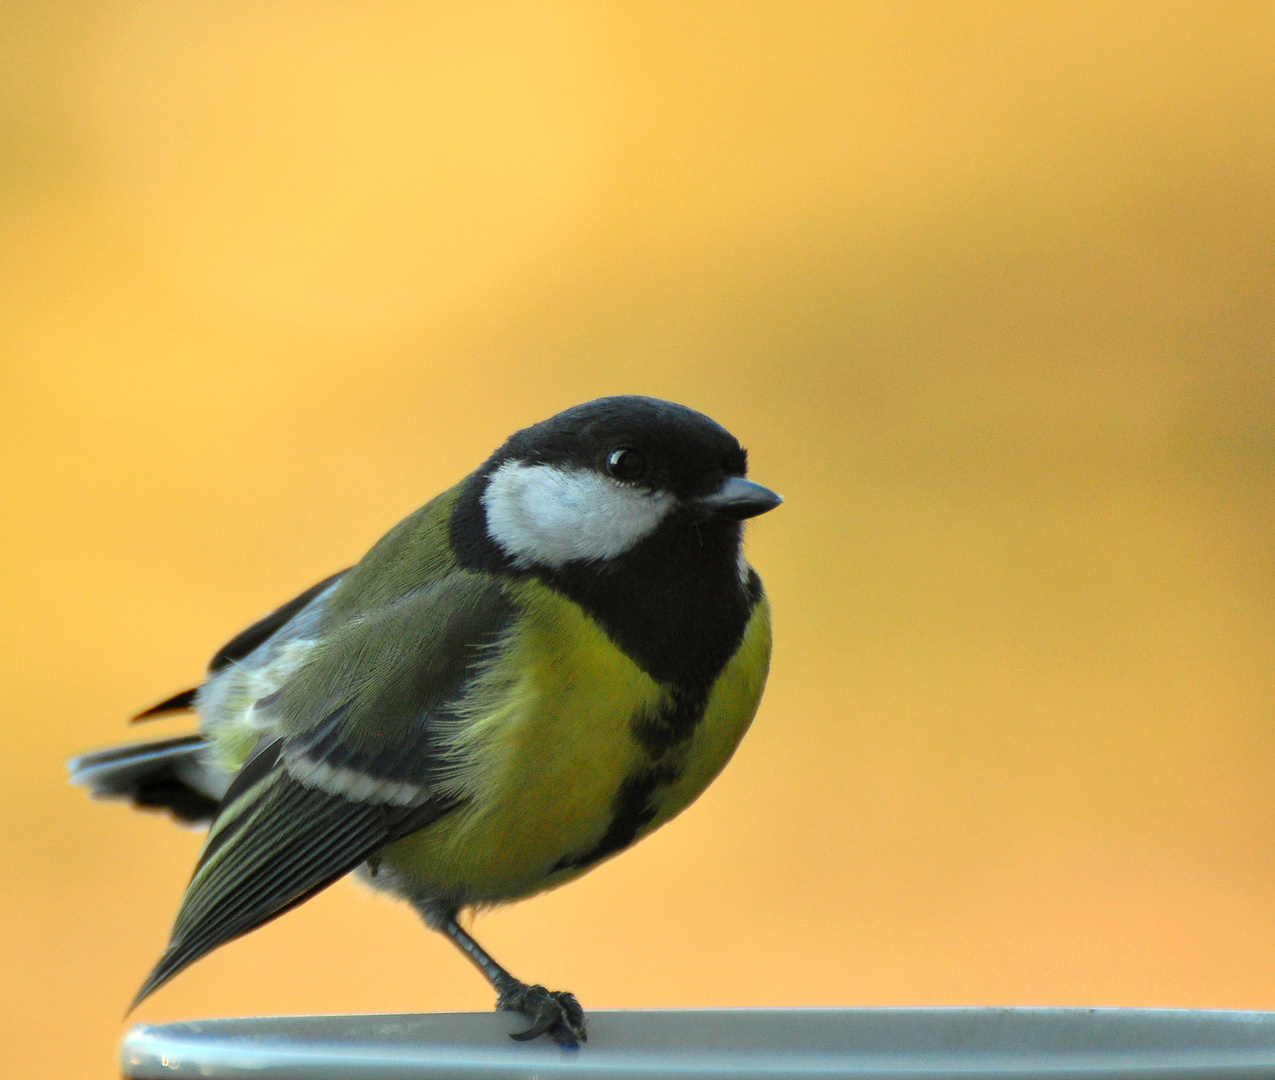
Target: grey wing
{"x": 247, "y": 641}
{"x": 355, "y": 769}
{"x": 244, "y": 644}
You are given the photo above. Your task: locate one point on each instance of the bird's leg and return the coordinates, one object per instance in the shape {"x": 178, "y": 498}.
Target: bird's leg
{"x": 552, "y": 1012}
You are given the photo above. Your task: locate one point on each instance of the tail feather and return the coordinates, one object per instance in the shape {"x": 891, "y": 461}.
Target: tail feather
{"x": 176, "y": 703}
{"x": 172, "y": 774}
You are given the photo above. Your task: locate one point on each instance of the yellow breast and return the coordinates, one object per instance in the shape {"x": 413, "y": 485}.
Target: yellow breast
{"x": 543, "y": 742}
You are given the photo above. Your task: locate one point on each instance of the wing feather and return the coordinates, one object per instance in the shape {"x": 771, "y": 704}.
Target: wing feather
{"x": 355, "y": 766}
{"x": 296, "y": 841}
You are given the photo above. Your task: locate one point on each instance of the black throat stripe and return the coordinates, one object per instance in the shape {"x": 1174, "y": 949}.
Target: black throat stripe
{"x": 675, "y": 603}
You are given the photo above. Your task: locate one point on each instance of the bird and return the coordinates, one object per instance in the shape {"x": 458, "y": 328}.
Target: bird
{"x": 533, "y": 671}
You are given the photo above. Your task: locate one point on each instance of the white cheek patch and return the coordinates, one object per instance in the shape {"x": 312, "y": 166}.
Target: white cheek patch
{"x": 545, "y": 516}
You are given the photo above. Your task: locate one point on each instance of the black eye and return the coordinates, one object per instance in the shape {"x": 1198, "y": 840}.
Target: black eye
{"x": 626, "y": 463}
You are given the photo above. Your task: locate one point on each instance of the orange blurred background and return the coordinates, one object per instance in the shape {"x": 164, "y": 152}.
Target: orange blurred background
{"x": 989, "y": 293}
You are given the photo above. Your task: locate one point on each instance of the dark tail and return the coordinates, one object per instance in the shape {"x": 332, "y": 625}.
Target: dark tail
{"x": 176, "y": 703}
{"x": 172, "y": 774}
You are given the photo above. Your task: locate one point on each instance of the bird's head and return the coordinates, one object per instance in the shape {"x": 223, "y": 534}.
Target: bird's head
{"x": 602, "y": 480}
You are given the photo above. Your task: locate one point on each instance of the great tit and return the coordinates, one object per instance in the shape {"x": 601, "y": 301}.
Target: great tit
{"x": 536, "y": 669}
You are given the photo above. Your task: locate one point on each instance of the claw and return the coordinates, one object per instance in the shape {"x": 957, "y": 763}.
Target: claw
{"x": 553, "y": 1013}
{"x": 540, "y": 1027}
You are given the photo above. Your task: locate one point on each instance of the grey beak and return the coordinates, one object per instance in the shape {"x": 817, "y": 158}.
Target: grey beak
{"x": 738, "y": 499}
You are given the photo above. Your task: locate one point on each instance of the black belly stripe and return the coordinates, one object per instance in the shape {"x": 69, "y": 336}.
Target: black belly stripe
{"x": 632, "y": 808}
{"x": 672, "y": 725}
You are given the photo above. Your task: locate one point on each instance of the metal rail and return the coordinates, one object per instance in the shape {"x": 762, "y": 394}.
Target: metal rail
{"x": 742, "y": 1044}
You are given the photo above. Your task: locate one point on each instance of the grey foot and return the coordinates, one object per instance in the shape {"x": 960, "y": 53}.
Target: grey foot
{"x": 552, "y": 1012}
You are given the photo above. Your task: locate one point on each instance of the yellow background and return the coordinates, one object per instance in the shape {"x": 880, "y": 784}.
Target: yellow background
{"x": 987, "y": 290}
